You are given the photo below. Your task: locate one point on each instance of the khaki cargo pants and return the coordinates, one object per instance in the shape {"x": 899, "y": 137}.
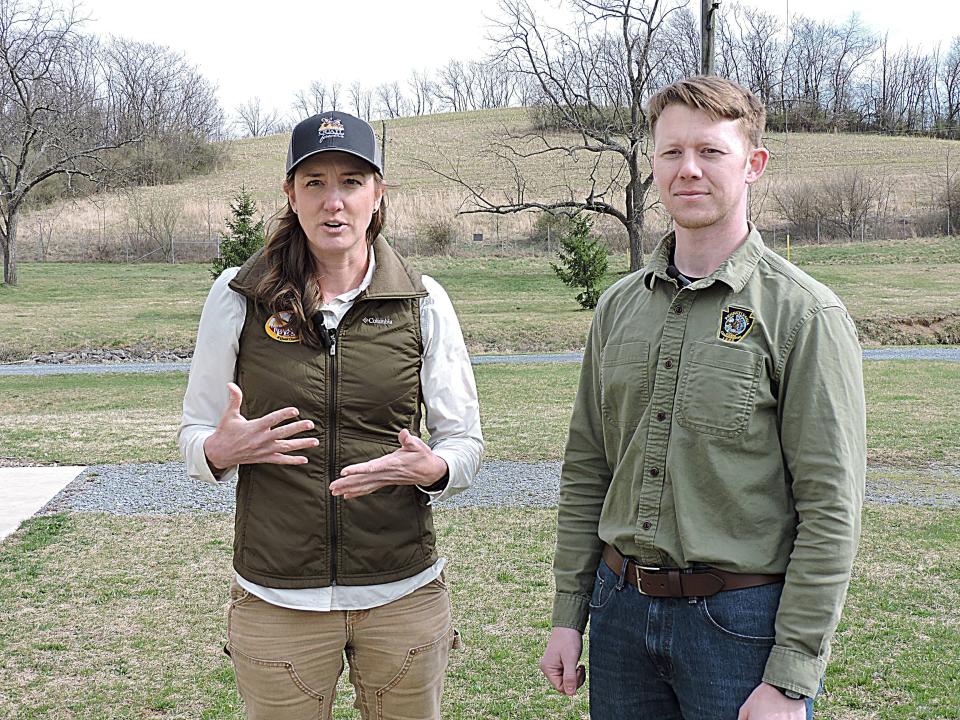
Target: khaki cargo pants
{"x": 288, "y": 661}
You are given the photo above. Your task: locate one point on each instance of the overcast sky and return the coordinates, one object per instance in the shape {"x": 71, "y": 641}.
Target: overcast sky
{"x": 288, "y": 43}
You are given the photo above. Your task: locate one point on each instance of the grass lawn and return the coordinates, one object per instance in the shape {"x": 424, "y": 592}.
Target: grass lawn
{"x": 504, "y": 304}
{"x": 109, "y": 617}
{"x": 525, "y": 410}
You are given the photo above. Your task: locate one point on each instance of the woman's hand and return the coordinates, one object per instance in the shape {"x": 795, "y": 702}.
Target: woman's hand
{"x": 413, "y": 463}
{"x": 238, "y": 441}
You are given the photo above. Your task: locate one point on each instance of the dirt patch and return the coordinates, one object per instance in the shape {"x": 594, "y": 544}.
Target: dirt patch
{"x": 941, "y": 329}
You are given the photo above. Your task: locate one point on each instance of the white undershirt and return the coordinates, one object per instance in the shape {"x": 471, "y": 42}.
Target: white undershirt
{"x": 452, "y": 416}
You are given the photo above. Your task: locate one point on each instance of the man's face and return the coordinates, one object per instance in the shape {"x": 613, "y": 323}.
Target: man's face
{"x": 703, "y": 167}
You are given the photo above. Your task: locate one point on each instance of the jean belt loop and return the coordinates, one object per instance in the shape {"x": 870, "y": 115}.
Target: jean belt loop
{"x": 622, "y": 578}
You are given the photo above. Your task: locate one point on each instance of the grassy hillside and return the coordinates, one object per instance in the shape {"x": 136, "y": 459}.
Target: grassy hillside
{"x": 121, "y": 226}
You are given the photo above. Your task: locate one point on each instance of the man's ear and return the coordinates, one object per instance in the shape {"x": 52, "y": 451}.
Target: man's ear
{"x": 756, "y": 163}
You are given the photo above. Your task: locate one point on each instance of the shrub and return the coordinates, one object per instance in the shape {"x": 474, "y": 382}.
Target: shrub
{"x": 244, "y": 236}
{"x": 439, "y": 234}
{"x": 584, "y": 261}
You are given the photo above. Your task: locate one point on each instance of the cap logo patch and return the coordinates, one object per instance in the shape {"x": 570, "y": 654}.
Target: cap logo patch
{"x": 735, "y": 323}
{"x": 277, "y": 327}
{"x": 330, "y": 128}
{"x": 377, "y": 321}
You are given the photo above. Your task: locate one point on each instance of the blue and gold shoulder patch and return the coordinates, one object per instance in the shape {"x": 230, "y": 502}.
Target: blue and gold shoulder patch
{"x": 735, "y": 323}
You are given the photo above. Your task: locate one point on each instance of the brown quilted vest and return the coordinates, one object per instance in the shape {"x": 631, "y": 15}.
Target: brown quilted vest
{"x": 289, "y": 531}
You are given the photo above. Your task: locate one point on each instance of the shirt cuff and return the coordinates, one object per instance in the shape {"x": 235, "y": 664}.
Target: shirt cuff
{"x": 197, "y": 466}
{"x": 571, "y": 611}
{"x": 435, "y": 490}
{"x": 792, "y": 670}
{"x": 456, "y": 479}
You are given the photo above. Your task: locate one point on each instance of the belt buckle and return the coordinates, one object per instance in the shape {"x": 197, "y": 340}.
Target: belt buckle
{"x": 637, "y": 568}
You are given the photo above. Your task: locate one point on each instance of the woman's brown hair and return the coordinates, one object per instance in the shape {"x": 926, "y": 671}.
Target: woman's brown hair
{"x": 290, "y": 281}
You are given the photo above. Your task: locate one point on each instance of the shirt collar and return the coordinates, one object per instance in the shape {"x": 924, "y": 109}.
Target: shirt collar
{"x": 735, "y": 271}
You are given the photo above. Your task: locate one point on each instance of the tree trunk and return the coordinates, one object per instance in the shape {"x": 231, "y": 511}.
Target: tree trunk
{"x": 10, "y": 248}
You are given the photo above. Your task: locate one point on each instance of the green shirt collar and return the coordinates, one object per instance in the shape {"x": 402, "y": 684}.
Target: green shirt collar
{"x": 734, "y": 271}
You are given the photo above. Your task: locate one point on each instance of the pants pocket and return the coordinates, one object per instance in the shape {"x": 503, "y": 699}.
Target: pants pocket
{"x": 273, "y": 689}
{"x": 420, "y": 676}
{"x": 748, "y": 615}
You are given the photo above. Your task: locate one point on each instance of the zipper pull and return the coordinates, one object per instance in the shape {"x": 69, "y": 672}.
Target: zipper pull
{"x": 333, "y": 342}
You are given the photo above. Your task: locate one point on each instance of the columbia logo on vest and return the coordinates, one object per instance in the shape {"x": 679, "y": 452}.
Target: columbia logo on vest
{"x": 377, "y": 321}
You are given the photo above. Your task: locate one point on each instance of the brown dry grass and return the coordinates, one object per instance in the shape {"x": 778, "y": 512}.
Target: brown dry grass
{"x": 97, "y": 228}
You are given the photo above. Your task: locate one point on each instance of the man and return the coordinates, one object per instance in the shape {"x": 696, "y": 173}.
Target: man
{"x": 713, "y": 476}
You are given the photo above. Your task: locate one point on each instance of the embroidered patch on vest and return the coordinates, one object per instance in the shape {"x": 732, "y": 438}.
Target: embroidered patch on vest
{"x": 735, "y": 323}
{"x": 277, "y": 328}
{"x": 377, "y": 321}
{"x": 330, "y": 128}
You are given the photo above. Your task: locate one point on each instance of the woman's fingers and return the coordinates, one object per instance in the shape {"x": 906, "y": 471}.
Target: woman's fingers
{"x": 284, "y": 431}
{"x": 275, "y": 418}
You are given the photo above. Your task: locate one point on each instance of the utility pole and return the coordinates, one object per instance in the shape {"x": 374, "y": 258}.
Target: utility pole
{"x": 707, "y": 9}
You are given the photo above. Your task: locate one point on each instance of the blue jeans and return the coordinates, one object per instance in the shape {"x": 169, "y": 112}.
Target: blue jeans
{"x": 677, "y": 658}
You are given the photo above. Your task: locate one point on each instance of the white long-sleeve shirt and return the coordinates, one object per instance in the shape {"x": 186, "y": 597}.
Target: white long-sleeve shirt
{"x": 449, "y": 393}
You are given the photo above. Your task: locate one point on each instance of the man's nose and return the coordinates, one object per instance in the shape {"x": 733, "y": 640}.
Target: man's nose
{"x": 690, "y": 166}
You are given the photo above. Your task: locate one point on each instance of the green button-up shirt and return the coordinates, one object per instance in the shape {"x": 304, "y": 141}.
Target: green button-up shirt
{"x": 722, "y": 423}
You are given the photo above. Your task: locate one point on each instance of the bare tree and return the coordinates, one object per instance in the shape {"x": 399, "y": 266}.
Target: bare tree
{"x": 391, "y": 100}
{"x": 361, "y": 100}
{"x": 51, "y": 110}
{"x": 950, "y": 77}
{"x": 421, "y": 93}
{"x": 311, "y": 101}
{"x": 154, "y": 93}
{"x": 592, "y": 80}
{"x": 333, "y": 94}
{"x": 254, "y": 120}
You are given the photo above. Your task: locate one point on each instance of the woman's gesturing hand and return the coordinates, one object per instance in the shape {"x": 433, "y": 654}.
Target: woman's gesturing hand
{"x": 413, "y": 463}
{"x": 238, "y": 441}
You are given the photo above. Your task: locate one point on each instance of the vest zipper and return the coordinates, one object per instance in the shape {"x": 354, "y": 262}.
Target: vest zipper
{"x": 331, "y": 451}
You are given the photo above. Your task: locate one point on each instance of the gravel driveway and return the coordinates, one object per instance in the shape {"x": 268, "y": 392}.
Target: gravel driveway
{"x": 162, "y": 489}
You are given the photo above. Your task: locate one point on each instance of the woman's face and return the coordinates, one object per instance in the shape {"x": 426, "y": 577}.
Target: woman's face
{"x": 334, "y": 195}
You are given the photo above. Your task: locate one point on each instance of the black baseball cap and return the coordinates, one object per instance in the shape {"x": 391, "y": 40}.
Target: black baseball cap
{"x": 333, "y": 130}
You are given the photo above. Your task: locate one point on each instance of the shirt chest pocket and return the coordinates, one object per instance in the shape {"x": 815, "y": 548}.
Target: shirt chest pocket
{"x": 718, "y": 389}
{"x": 623, "y": 382}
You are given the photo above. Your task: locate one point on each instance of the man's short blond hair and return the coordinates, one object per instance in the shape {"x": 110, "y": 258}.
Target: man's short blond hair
{"x": 719, "y": 98}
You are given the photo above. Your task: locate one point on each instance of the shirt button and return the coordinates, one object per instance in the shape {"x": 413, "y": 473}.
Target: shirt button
{"x": 668, "y": 364}
{"x": 646, "y": 525}
{"x": 654, "y": 472}
{"x": 678, "y": 309}
{"x": 661, "y": 416}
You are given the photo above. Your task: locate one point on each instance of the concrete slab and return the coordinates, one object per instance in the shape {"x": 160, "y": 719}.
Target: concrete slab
{"x": 24, "y": 490}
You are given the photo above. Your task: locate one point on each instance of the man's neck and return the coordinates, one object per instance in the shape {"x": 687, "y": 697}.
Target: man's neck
{"x": 700, "y": 251}
{"x": 341, "y": 274}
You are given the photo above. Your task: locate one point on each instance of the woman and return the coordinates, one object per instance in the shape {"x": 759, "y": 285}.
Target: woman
{"x": 312, "y": 363}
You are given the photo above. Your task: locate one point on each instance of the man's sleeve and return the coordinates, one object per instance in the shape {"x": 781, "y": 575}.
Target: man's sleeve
{"x": 823, "y": 438}
{"x": 584, "y": 480}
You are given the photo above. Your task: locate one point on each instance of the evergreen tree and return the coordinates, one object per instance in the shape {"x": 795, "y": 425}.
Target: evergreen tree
{"x": 583, "y": 259}
{"x": 243, "y": 237}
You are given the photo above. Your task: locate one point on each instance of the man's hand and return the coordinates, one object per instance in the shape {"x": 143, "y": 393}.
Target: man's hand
{"x": 768, "y": 703}
{"x": 413, "y": 463}
{"x": 238, "y": 441}
{"x": 560, "y": 660}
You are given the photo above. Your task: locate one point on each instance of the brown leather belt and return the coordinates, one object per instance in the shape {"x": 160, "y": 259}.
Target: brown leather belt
{"x": 676, "y": 583}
